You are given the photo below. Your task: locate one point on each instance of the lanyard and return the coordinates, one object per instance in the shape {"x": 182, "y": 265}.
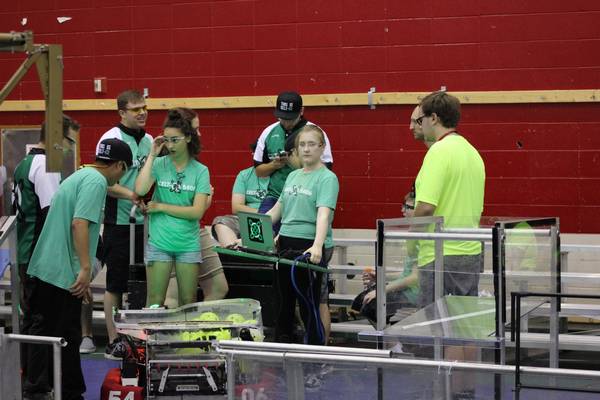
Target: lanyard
{"x": 445, "y": 134}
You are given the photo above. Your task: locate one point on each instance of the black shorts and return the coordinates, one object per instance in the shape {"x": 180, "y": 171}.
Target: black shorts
{"x": 116, "y": 254}
{"x": 461, "y": 277}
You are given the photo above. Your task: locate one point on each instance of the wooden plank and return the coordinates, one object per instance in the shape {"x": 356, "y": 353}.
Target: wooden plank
{"x": 322, "y": 100}
{"x": 52, "y": 82}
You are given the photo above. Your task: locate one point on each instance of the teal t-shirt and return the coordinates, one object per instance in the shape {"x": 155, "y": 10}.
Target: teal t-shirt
{"x": 251, "y": 186}
{"x": 411, "y": 292}
{"x": 302, "y": 195}
{"x": 452, "y": 178}
{"x": 117, "y": 210}
{"x": 54, "y": 259}
{"x": 170, "y": 233}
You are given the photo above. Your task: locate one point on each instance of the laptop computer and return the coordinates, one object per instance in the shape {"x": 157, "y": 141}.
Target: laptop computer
{"x": 256, "y": 231}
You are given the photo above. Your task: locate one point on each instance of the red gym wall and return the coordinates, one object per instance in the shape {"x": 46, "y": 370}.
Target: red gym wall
{"x": 541, "y": 159}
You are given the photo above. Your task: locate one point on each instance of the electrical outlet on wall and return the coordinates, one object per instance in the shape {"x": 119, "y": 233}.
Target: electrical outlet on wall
{"x": 100, "y": 85}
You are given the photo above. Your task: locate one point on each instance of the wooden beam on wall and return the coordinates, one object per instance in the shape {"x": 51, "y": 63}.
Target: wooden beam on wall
{"x": 322, "y": 100}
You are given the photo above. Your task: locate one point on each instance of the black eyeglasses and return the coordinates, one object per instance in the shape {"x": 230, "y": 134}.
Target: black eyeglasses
{"x": 406, "y": 207}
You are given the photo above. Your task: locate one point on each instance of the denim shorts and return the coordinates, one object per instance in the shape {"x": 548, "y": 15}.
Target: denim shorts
{"x": 188, "y": 257}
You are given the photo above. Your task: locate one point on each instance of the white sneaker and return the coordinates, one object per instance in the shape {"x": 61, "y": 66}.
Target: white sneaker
{"x": 397, "y": 348}
{"x": 87, "y": 345}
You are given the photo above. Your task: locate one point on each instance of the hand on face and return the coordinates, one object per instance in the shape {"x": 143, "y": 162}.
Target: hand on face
{"x": 157, "y": 145}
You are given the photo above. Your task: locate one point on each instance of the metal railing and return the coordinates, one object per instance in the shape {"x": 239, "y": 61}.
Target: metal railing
{"x": 13, "y": 391}
{"x": 515, "y": 331}
{"x": 291, "y": 357}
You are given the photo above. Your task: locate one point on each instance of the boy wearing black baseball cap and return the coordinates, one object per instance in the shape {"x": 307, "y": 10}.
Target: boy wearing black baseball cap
{"x": 273, "y": 155}
{"x": 60, "y": 267}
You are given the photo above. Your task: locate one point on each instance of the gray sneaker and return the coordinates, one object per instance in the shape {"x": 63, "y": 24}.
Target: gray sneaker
{"x": 87, "y": 345}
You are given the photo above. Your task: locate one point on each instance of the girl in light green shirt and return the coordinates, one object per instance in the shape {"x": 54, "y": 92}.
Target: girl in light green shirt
{"x": 178, "y": 203}
{"x": 305, "y": 208}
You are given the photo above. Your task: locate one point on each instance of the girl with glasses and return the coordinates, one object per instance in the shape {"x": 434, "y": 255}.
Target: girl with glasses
{"x": 179, "y": 201}
{"x": 211, "y": 277}
{"x": 305, "y": 208}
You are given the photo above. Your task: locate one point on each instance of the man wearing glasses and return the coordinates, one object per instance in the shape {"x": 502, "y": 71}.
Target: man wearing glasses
{"x": 119, "y": 200}
{"x": 451, "y": 184}
{"x": 416, "y": 128}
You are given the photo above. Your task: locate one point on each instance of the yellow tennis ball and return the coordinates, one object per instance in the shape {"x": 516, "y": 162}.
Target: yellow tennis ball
{"x": 235, "y": 318}
{"x": 223, "y": 334}
{"x": 198, "y": 335}
{"x": 208, "y": 316}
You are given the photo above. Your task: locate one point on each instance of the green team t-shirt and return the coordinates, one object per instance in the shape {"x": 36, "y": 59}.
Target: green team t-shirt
{"x": 411, "y": 292}
{"x": 117, "y": 210}
{"x": 302, "y": 195}
{"x": 274, "y": 139}
{"x": 275, "y": 143}
{"x": 251, "y": 186}
{"x": 54, "y": 259}
{"x": 452, "y": 178}
{"x": 170, "y": 233}
{"x": 33, "y": 189}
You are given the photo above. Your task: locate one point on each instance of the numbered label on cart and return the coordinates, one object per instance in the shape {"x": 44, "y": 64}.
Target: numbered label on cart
{"x": 118, "y": 395}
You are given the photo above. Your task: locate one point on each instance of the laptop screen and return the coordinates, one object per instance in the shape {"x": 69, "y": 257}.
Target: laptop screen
{"x": 256, "y": 231}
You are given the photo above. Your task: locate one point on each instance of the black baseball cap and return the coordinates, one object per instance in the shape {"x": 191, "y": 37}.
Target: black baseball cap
{"x": 114, "y": 149}
{"x": 288, "y": 106}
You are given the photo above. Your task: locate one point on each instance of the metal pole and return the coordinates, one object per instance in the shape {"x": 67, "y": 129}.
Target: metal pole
{"x": 15, "y": 285}
{"x": 301, "y": 348}
{"x": 57, "y": 378}
{"x": 56, "y": 343}
{"x": 230, "y": 377}
{"x": 380, "y": 297}
{"x": 499, "y": 285}
{"x": 380, "y": 276}
{"x": 439, "y": 235}
{"x": 13, "y": 39}
{"x": 516, "y": 232}
{"x": 409, "y": 362}
{"x": 518, "y": 342}
{"x": 132, "y": 221}
{"x": 554, "y": 301}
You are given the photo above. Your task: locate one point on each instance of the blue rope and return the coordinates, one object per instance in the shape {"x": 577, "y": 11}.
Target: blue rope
{"x": 310, "y": 305}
